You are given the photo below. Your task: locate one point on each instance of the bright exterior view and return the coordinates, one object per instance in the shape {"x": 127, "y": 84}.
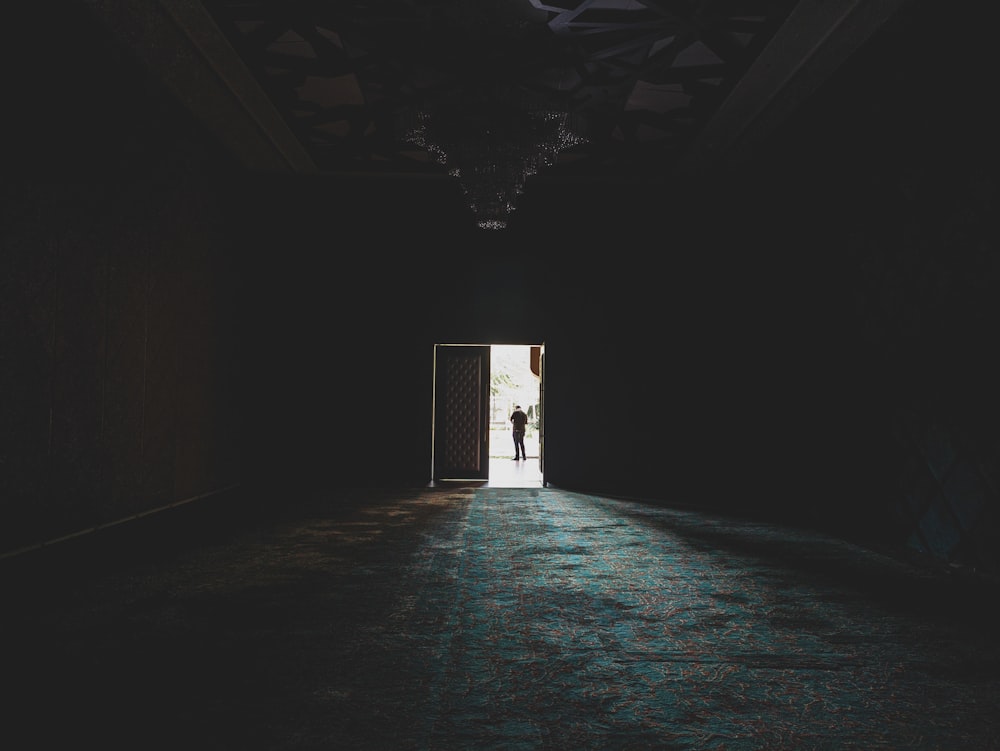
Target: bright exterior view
{"x": 512, "y": 383}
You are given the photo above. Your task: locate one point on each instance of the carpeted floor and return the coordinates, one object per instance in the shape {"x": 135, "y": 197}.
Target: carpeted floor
{"x": 498, "y": 618}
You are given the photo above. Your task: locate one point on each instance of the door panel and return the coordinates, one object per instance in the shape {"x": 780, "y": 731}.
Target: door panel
{"x": 541, "y": 412}
{"x": 461, "y": 412}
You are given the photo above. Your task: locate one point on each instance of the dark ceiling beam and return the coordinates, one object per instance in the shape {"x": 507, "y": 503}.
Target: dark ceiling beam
{"x": 184, "y": 49}
{"x": 815, "y": 40}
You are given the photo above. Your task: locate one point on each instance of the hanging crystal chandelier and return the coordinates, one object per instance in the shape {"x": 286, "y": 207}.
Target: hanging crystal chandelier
{"x": 492, "y": 145}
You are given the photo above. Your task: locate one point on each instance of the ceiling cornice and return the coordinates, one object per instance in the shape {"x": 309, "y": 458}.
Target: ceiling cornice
{"x": 182, "y": 47}
{"x": 813, "y": 43}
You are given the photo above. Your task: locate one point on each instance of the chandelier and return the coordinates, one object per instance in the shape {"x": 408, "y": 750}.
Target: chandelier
{"x": 492, "y": 145}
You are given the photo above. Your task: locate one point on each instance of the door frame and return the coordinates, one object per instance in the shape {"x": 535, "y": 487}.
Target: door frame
{"x": 468, "y": 422}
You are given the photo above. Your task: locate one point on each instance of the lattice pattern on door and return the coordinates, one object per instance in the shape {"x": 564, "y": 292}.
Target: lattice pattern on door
{"x": 462, "y": 412}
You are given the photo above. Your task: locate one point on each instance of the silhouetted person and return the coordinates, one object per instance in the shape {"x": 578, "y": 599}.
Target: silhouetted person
{"x": 519, "y": 420}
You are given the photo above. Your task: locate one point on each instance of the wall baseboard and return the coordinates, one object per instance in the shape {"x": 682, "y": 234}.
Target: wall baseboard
{"x": 156, "y": 532}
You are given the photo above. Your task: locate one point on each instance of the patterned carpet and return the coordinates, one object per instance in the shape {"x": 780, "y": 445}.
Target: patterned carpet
{"x": 495, "y": 618}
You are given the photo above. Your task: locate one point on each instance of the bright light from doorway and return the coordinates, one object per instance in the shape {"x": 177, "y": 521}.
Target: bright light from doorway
{"x": 512, "y": 383}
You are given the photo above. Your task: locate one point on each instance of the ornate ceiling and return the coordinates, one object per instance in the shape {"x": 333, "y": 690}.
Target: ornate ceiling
{"x": 493, "y": 91}
{"x": 636, "y": 78}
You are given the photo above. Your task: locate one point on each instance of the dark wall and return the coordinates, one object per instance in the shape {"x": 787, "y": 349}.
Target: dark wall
{"x": 688, "y": 359}
{"x": 119, "y": 381}
{"x": 657, "y": 338}
{"x": 917, "y": 240}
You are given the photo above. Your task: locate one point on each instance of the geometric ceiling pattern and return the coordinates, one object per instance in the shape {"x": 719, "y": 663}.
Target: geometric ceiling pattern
{"x": 635, "y": 79}
{"x": 493, "y": 91}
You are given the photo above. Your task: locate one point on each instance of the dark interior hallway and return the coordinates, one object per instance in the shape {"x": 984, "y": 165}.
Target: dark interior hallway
{"x": 769, "y": 303}
{"x": 496, "y": 618}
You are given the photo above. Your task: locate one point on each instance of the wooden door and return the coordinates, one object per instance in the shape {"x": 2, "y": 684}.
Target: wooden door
{"x": 461, "y": 412}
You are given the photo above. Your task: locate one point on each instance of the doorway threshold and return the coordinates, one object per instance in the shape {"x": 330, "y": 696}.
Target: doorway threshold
{"x": 504, "y": 472}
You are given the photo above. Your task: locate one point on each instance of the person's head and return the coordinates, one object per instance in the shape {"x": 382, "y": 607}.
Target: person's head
{"x": 517, "y": 406}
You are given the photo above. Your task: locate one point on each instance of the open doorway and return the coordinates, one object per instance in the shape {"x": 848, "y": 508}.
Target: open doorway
{"x": 515, "y": 381}
{"x": 476, "y": 388}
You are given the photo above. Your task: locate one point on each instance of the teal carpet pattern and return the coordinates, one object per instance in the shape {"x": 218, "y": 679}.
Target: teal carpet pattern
{"x": 508, "y": 619}
{"x": 555, "y": 620}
